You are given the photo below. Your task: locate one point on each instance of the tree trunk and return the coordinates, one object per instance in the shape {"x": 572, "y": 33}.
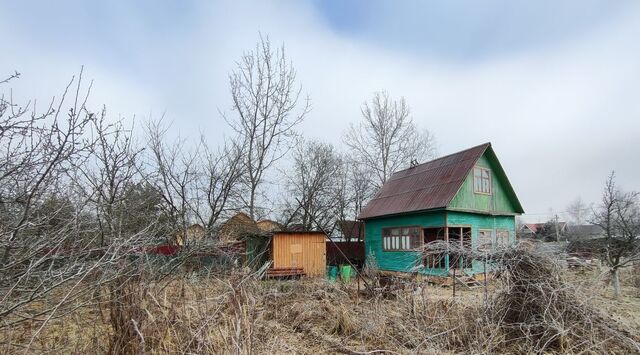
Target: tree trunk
{"x": 252, "y": 202}
{"x": 615, "y": 282}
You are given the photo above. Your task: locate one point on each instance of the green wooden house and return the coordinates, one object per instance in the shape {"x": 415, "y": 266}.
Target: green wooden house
{"x": 462, "y": 198}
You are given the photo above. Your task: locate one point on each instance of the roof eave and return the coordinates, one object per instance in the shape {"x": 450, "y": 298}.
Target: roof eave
{"x": 435, "y": 209}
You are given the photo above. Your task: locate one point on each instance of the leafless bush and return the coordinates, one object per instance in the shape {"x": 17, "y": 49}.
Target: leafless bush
{"x": 533, "y": 307}
{"x": 536, "y": 304}
{"x": 126, "y": 315}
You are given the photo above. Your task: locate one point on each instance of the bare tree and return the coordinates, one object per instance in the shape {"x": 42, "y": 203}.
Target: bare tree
{"x": 361, "y": 187}
{"x": 47, "y": 234}
{"x": 619, "y": 216}
{"x": 266, "y": 103}
{"x": 197, "y": 184}
{"x": 173, "y": 169}
{"x": 353, "y": 190}
{"x": 387, "y": 139}
{"x": 578, "y": 211}
{"x": 106, "y": 174}
{"x": 79, "y": 210}
{"x": 313, "y": 186}
{"x": 219, "y": 183}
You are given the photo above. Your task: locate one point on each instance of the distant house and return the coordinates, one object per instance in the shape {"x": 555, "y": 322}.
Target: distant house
{"x": 584, "y": 231}
{"x": 542, "y": 229}
{"x": 267, "y": 225}
{"x": 237, "y": 228}
{"x": 193, "y": 233}
{"x": 461, "y": 198}
{"x": 351, "y": 230}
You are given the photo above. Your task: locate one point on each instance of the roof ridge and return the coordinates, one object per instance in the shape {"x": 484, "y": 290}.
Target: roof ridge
{"x": 426, "y": 170}
{"x": 442, "y": 157}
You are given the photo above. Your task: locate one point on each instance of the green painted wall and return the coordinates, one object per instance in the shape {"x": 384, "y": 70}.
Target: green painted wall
{"x": 406, "y": 261}
{"x": 396, "y": 260}
{"x": 497, "y": 202}
{"x": 485, "y": 222}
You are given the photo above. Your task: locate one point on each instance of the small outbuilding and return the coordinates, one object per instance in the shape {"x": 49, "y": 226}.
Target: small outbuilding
{"x": 302, "y": 251}
{"x": 462, "y": 198}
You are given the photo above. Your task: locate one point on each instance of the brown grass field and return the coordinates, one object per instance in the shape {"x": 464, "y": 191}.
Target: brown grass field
{"x": 239, "y": 314}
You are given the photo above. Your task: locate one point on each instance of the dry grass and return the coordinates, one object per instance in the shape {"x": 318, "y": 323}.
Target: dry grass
{"x": 239, "y": 314}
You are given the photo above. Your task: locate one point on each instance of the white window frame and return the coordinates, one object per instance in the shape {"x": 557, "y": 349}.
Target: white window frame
{"x": 482, "y": 181}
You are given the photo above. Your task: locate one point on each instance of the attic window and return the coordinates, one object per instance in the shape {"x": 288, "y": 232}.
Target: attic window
{"x": 400, "y": 239}
{"x": 481, "y": 180}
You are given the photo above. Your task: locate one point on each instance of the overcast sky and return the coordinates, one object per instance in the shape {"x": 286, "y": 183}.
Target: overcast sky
{"x": 555, "y": 86}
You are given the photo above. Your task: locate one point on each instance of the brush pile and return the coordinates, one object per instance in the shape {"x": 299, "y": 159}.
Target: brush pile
{"x": 535, "y": 306}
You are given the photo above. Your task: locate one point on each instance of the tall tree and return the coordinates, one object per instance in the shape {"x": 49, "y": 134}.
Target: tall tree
{"x": 219, "y": 183}
{"x": 619, "y": 216}
{"x": 106, "y": 174}
{"x": 173, "y": 169}
{"x": 197, "y": 183}
{"x": 313, "y": 186}
{"x": 47, "y": 230}
{"x": 387, "y": 139}
{"x": 266, "y": 102}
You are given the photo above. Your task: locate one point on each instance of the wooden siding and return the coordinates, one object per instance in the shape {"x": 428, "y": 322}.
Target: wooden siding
{"x": 396, "y": 260}
{"x": 305, "y": 250}
{"x": 497, "y": 202}
{"x": 406, "y": 261}
{"x": 483, "y": 222}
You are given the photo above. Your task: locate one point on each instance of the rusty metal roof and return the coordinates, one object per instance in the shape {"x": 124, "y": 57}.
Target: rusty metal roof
{"x": 426, "y": 186}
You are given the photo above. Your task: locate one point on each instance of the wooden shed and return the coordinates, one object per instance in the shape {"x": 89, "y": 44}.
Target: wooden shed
{"x": 306, "y": 250}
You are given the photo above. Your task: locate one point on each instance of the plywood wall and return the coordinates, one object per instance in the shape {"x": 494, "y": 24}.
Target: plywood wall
{"x": 306, "y": 250}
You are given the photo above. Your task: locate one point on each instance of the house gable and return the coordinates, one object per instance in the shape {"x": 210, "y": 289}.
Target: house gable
{"x": 501, "y": 200}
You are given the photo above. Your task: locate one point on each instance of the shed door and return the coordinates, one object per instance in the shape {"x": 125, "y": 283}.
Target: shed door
{"x": 317, "y": 258}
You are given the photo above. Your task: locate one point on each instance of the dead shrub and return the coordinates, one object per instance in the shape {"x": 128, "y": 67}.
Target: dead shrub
{"x": 534, "y": 305}
{"x": 126, "y": 315}
{"x": 533, "y": 311}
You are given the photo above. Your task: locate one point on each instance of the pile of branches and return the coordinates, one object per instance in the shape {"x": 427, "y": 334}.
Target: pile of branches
{"x": 533, "y": 308}
{"x": 534, "y": 303}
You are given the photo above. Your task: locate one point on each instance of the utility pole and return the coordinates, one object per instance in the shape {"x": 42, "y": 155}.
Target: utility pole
{"x": 557, "y": 233}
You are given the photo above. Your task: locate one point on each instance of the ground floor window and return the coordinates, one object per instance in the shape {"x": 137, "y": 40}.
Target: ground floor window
{"x": 502, "y": 238}
{"x": 401, "y": 238}
{"x": 485, "y": 240}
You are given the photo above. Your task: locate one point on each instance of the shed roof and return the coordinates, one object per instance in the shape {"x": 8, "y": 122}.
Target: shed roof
{"x": 427, "y": 186}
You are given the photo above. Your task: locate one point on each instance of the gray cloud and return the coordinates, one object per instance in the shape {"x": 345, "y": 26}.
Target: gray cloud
{"x": 561, "y": 115}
